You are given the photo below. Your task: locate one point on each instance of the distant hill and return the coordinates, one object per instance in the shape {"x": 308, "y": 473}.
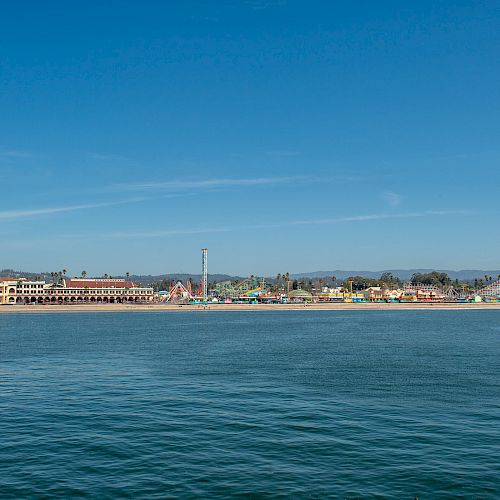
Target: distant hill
{"x": 403, "y": 274}
{"x": 10, "y": 273}
{"x": 141, "y": 279}
{"x": 147, "y": 279}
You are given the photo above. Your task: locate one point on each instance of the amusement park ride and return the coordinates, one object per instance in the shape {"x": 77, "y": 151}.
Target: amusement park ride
{"x": 252, "y": 288}
{"x": 491, "y": 290}
{"x": 451, "y": 293}
{"x": 179, "y": 293}
{"x": 246, "y": 289}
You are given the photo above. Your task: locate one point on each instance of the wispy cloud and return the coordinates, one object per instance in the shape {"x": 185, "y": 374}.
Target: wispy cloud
{"x": 204, "y": 184}
{"x": 18, "y": 214}
{"x": 265, "y": 4}
{"x": 369, "y": 217}
{"x": 15, "y": 153}
{"x": 162, "y": 233}
{"x": 282, "y": 153}
{"x": 107, "y": 157}
{"x": 148, "y": 234}
{"x": 391, "y": 198}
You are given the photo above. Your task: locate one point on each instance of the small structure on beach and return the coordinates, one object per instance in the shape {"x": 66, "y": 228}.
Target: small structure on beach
{"x": 300, "y": 295}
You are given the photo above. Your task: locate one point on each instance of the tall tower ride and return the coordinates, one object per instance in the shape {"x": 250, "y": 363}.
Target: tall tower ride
{"x": 204, "y": 273}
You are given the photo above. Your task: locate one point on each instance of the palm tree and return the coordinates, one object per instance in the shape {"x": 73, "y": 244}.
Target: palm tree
{"x": 334, "y": 279}
{"x": 278, "y": 282}
{"x": 84, "y": 274}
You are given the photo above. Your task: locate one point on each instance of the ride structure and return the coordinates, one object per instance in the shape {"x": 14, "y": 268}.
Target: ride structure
{"x": 249, "y": 287}
{"x": 178, "y": 293}
{"x": 491, "y": 291}
{"x": 450, "y": 293}
{"x": 204, "y": 274}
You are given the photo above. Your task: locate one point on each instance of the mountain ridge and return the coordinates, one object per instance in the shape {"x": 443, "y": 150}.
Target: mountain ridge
{"x": 403, "y": 274}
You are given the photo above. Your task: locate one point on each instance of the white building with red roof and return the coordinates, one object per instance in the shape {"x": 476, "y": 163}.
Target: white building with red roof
{"x": 74, "y": 291}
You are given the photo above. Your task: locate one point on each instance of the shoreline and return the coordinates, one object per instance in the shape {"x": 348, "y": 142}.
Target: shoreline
{"x": 342, "y": 306}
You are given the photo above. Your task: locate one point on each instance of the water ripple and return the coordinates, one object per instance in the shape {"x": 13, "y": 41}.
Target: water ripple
{"x": 272, "y": 405}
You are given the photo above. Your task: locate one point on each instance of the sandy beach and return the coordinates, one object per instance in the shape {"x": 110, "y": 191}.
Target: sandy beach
{"x": 109, "y": 308}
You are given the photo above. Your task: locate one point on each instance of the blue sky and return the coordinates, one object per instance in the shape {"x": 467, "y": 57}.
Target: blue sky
{"x": 283, "y": 135}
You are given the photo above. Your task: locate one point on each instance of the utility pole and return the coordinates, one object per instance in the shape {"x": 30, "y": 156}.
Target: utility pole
{"x": 204, "y": 273}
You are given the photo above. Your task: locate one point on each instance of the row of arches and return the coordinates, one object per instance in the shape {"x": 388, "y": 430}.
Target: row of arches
{"x": 78, "y": 300}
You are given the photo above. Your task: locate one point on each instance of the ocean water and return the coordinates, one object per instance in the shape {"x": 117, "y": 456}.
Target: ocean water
{"x": 206, "y": 404}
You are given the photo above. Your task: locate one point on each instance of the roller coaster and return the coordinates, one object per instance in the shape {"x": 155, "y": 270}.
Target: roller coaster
{"x": 250, "y": 287}
{"x": 434, "y": 292}
{"x": 490, "y": 291}
{"x": 182, "y": 294}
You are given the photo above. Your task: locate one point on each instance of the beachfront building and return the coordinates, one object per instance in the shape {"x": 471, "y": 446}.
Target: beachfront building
{"x": 375, "y": 294}
{"x": 380, "y": 294}
{"x": 12, "y": 288}
{"x": 328, "y": 294}
{"x": 74, "y": 291}
{"x": 8, "y": 289}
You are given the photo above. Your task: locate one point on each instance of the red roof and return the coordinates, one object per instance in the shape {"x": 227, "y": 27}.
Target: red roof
{"x": 98, "y": 283}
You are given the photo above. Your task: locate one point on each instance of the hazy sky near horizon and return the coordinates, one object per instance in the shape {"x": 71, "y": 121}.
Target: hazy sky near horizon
{"x": 283, "y": 135}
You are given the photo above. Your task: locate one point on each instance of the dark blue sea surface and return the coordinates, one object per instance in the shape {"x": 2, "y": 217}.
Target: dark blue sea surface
{"x": 206, "y": 404}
